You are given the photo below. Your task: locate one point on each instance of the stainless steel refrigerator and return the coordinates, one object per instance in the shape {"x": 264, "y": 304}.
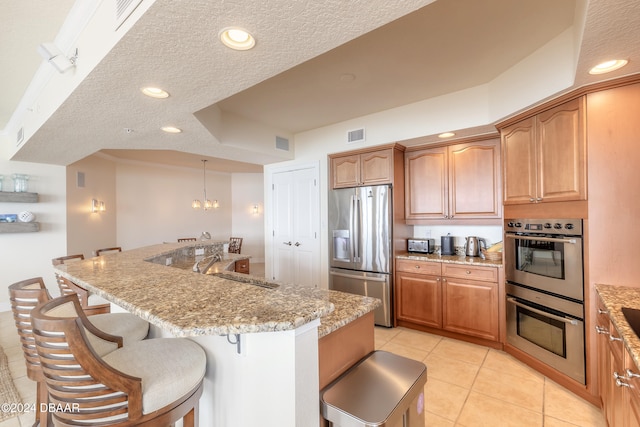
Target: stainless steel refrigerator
{"x": 360, "y": 240}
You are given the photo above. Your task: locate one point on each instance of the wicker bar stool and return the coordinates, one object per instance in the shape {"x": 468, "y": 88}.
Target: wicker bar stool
{"x": 25, "y": 296}
{"x": 108, "y": 390}
{"x": 235, "y": 245}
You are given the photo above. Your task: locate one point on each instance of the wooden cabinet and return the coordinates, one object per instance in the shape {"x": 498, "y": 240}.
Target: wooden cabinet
{"x": 419, "y": 292}
{"x": 365, "y": 167}
{"x": 457, "y": 298}
{"x": 618, "y": 375}
{"x": 453, "y": 182}
{"x": 242, "y": 266}
{"x": 544, "y": 156}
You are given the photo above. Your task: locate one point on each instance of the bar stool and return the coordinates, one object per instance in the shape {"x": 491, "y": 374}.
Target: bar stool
{"x": 91, "y": 304}
{"x": 25, "y": 296}
{"x": 108, "y": 390}
{"x": 105, "y": 250}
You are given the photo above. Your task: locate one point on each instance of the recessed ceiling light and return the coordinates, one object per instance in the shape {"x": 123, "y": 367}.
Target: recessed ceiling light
{"x": 446, "y": 135}
{"x": 171, "y": 129}
{"x": 155, "y": 92}
{"x": 608, "y": 66}
{"x": 237, "y": 38}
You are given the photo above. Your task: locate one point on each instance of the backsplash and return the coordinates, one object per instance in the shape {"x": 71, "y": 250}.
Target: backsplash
{"x": 491, "y": 233}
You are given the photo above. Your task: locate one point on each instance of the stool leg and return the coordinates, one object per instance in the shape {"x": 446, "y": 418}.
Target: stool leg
{"x": 43, "y": 417}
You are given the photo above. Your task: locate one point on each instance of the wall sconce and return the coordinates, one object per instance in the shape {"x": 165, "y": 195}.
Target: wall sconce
{"x": 97, "y": 206}
{"x": 255, "y": 209}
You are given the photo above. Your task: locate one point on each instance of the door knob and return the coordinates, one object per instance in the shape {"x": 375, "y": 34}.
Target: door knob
{"x": 286, "y": 243}
{"x": 298, "y": 243}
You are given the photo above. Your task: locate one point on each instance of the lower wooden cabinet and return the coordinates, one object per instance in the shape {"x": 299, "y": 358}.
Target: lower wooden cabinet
{"x": 457, "y": 298}
{"x": 618, "y": 375}
{"x": 242, "y": 266}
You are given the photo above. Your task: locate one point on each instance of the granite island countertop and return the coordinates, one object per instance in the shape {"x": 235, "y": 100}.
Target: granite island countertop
{"x": 187, "y": 303}
{"x": 449, "y": 259}
{"x": 614, "y": 298}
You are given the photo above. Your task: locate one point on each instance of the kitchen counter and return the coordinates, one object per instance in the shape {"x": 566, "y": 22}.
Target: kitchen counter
{"x": 451, "y": 259}
{"x": 186, "y": 303}
{"x": 261, "y": 337}
{"x": 614, "y": 298}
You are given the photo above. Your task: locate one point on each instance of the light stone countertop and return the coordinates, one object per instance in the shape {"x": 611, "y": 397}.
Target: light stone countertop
{"x": 449, "y": 259}
{"x": 614, "y": 298}
{"x": 186, "y": 303}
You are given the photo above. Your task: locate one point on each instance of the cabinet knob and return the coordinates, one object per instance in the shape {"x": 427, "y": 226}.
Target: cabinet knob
{"x": 601, "y": 330}
{"x": 468, "y": 272}
{"x": 532, "y": 200}
{"x": 539, "y": 199}
{"x": 418, "y": 267}
{"x": 612, "y": 338}
{"x": 601, "y": 311}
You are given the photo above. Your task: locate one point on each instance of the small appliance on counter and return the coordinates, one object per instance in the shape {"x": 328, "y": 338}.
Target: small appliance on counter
{"x": 473, "y": 245}
{"x": 446, "y": 245}
{"x": 422, "y": 246}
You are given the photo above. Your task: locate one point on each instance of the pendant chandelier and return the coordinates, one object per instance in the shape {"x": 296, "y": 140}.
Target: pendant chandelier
{"x": 206, "y": 204}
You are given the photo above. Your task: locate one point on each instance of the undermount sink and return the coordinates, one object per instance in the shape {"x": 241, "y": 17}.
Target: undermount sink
{"x": 633, "y": 317}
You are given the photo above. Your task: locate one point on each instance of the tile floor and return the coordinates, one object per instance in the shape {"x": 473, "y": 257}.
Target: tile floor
{"x": 471, "y": 385}
{"x": 467, "y": 385}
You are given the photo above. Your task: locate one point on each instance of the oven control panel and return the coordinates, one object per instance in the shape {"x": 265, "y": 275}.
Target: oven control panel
{"x": 569, "y": 226}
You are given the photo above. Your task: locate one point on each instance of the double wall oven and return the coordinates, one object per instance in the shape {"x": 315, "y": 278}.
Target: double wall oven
{"x": 545, "y": 291}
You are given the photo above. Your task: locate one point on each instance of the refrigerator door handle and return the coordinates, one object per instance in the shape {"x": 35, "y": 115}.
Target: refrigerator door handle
{"x": 357, "y": 227}
{"x": 350, "y": 276}
{"x": 351, "y": 227}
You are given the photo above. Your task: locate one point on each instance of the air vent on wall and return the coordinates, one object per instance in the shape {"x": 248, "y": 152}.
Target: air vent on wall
{"x": 356, "y": 135}
{"x": 19, "y": 137}
{"x": 282, "y": 143}
{"x": 124, "y": 8}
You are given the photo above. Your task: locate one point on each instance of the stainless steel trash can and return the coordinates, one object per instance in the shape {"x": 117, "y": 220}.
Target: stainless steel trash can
{"x": 382, "y": 390}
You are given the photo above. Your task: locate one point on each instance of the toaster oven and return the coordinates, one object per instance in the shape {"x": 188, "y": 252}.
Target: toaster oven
{"x": 423, "y": 246}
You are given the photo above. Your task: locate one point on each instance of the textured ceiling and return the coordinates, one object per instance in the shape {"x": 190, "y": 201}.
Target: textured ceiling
{"x": 315, "y": 63}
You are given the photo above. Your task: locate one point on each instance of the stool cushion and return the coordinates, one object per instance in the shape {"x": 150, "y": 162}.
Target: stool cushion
{"x": 126, "y": 325}
{"x": 169, "y": 368}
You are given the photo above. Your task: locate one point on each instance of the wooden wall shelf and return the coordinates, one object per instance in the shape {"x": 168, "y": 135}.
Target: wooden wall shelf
{"x": 12, "y": 197}
{"x": 19, "y": 227}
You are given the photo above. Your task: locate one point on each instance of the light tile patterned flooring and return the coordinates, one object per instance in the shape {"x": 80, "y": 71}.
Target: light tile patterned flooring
{"x": 470, "y": 385}
{"x": 467, "y": 385}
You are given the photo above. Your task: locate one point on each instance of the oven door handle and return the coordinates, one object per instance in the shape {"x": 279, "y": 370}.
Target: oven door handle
{"x": 541, "y": 239}
{"x": 544, "y": 313}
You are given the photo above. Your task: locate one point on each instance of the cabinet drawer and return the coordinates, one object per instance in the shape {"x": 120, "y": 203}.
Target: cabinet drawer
{"x": 418, "y": 267}
{"x": 242, "y": 266}
{"x": 461, "y": 271}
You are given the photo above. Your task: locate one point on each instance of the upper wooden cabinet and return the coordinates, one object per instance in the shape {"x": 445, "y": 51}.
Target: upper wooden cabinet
{"x": 544, "y": 156}
{"x": 365, "y": 167}
{"x": 454, "y": 182}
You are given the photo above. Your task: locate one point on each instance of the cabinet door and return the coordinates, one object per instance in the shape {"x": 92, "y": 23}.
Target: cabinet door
{"x": 426, "y": 185}
{"x": 470, "y": 308}
{"x": 345, "y": 171}
{"x": 474, "y": 180}
{"x": 561, "y": 153}
{"x": 377, "y": 167}
{"x": 633, "y": 392}
{"x": 519, "y": 162}
{"x": 419, "y": 299}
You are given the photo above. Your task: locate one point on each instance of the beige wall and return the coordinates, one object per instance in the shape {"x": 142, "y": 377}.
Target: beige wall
{"x": 247, "y": 191}
{"x": 87, "y": 231}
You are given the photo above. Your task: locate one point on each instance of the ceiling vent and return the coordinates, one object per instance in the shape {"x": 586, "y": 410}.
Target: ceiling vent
{"x": 19, "y": 137}
{"x": 282, "y": 143}
{"x": 356, "y": 135}
{"x": 124, "y": 8}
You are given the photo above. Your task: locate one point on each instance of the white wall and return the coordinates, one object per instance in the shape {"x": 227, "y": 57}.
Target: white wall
{"x": 27, "y": 255}
{"x": 247, "y": 192}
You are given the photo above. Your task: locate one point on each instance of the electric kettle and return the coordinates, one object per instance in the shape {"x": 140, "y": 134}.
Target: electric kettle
{"x": 472, "y": 246}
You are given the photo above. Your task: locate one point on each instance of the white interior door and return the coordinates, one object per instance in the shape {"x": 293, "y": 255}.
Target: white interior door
{"x": 295, "y": 243}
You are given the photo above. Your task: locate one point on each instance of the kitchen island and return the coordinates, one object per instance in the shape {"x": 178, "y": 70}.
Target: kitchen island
{"x": 260, "y": 337}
